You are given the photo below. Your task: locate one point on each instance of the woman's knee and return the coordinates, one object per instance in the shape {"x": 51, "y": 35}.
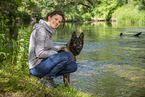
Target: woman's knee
{"x": 67, "y": 55}
{"x": 74, "y": 66}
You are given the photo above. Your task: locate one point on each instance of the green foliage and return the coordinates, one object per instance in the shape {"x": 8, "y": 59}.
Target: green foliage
{"x": 7, "y": 48}
{"x": 130, "y": 13}
{"x": 82, "y": 10}
{"x": 9, "y": 9}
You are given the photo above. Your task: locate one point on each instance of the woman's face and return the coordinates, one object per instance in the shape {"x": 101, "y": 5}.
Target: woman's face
{"x": 54, "y": 21}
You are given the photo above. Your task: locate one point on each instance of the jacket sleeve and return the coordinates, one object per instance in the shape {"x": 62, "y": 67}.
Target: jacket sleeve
{"x": 56, "y": 48}
{"x": 40, "y": 50}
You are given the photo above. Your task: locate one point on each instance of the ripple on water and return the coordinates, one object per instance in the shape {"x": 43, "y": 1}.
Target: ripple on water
{"x": 110, "y": 65}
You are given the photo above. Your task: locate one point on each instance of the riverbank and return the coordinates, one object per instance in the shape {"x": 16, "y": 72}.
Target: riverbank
{"x": 15, "y": 80}
{"x": 18, "y": 83}
{"x": 130, "y": 13}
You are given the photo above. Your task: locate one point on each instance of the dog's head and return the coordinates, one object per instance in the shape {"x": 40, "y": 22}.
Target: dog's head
{"x": 76, "y": 43}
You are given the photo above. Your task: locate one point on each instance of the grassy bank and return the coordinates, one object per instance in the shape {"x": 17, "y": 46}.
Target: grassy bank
{"x": 130, "y": 13}
{"x": 15, "y": 80}
{"x": 17, "y": 83}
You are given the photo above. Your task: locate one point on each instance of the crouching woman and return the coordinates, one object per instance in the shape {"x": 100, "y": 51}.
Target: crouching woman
{"x": 44, "y": 60}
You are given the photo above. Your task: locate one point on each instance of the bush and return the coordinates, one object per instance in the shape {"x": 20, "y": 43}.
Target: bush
{"x": 129, "y": 13}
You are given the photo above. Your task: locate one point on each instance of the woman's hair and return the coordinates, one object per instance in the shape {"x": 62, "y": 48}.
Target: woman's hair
{"x": 54, "y": 13}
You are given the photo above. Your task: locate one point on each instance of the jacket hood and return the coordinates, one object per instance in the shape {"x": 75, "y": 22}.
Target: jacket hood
{"x": 45, "y": 25}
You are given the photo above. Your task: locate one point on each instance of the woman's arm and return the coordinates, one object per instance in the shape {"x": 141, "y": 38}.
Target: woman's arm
{"x": 40, "y": 46}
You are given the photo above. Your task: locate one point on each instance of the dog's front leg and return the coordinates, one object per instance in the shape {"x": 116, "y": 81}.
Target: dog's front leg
{"x": 66, "y": 79}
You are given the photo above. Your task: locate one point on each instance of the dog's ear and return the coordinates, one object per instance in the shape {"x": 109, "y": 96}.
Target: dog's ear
{"x": 74, "y": 35}
{"x": 82, "y": 36}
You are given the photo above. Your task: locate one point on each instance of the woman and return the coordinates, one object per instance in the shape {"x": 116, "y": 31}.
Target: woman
{"x": 44, "y": 60}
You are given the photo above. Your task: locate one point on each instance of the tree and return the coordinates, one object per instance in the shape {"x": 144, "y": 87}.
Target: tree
{"x": 9, "y": 9}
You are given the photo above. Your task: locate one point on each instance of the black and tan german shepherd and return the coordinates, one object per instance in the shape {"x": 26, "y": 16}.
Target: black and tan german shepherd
{"x": 74, "y": 46}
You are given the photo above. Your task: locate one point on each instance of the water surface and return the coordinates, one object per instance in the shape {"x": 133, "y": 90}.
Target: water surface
{"x": 109, "y": 65}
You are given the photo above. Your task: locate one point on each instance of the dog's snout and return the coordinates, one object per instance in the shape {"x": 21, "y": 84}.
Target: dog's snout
{"x": 78, "y": 48}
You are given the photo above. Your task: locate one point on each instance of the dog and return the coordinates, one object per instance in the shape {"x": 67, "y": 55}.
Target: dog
{"x": 121, "y": 34}
{"x": 136, "y": 35}
{"x": 74, "y": 46}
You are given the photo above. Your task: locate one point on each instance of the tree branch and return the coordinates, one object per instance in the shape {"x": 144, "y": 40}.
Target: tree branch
{"x": 90, "y": 2}
{"x": 73, "y": 3}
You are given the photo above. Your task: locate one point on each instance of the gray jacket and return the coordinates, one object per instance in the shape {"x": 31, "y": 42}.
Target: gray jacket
{"x": 41, "y": 43}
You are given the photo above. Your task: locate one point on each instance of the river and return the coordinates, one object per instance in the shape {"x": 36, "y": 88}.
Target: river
{"x": 109, "y": 65}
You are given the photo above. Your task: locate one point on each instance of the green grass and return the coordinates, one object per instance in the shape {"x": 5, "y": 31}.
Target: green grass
{"x": 15, "y": 80}
{"x": 130, "y": 13}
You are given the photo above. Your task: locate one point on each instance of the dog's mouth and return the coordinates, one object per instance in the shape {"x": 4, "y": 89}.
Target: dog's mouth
{"x": 78, "y": 50}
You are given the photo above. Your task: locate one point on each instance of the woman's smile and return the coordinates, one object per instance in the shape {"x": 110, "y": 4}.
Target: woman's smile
{"x": 54, "y": 21}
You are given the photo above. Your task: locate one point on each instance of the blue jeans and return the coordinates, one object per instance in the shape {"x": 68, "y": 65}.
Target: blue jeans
{"x": 55, "y": 65}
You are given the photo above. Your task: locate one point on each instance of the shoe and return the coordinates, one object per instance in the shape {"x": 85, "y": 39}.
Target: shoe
{"x": 51, "y": 82}
{"x": 47, "y": 82}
